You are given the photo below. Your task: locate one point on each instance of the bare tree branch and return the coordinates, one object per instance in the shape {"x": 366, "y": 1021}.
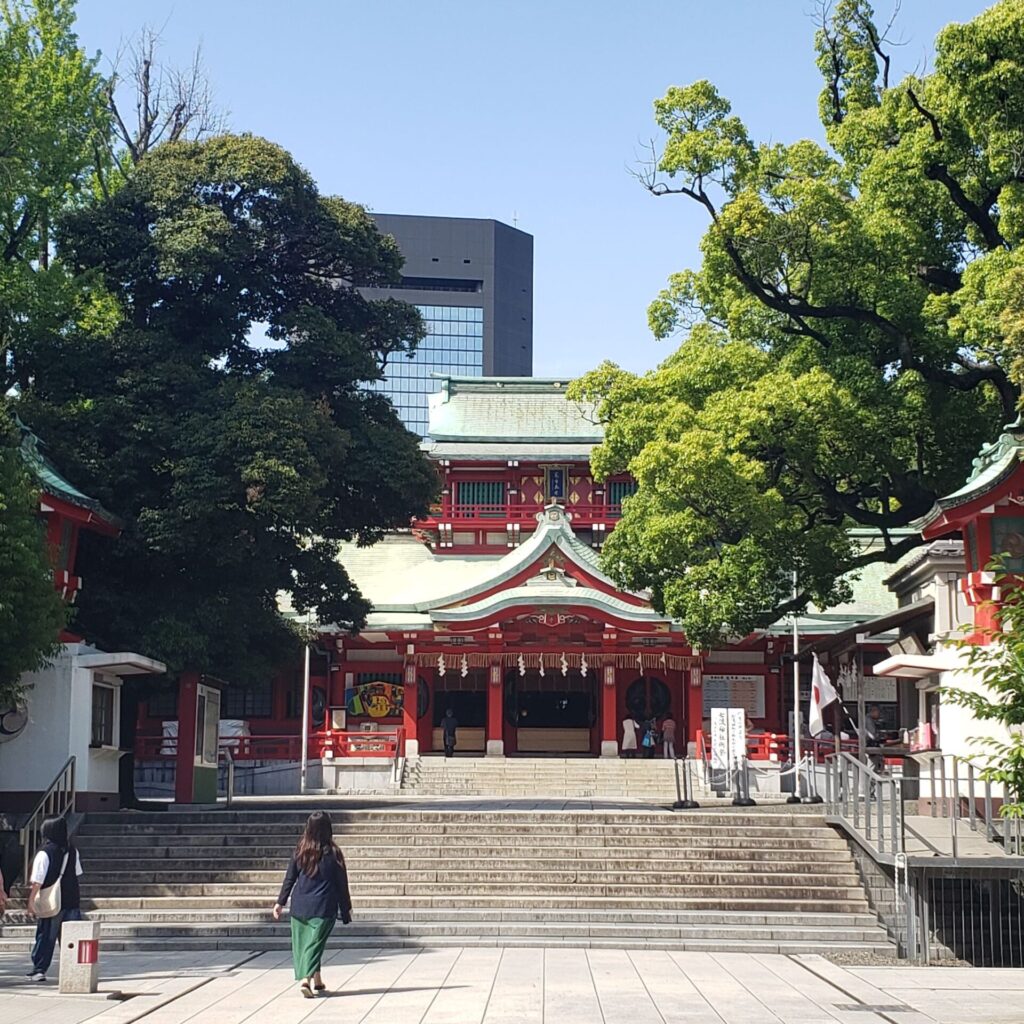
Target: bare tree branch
{"x": 170, "y": 103}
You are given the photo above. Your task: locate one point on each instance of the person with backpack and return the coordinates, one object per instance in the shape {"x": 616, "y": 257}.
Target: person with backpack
{"x": 317, "y": 884}
{"x": 53, "y": 896}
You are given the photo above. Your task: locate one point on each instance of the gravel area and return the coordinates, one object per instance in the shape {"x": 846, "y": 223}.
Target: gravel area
{"x": 853, "y": 959}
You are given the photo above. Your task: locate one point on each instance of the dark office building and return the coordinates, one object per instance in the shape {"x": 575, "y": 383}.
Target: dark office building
{"x": 473, "y": 282}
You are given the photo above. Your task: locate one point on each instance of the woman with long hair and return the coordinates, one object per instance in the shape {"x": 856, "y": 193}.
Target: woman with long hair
{"x": 57, "y": 863}
{"x": 317, "y": 883}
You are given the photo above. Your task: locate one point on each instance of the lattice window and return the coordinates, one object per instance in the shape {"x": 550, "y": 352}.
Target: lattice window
{"x": 620, "y": 489}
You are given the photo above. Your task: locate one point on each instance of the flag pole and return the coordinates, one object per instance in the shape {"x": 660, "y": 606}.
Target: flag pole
{"x": 304, "y": 767}
{"x": 795, "y": 798}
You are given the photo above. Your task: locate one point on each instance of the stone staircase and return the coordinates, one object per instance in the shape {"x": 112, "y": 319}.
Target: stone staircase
{"x": 705, "y": 880}
{"x": 653, "y": 781}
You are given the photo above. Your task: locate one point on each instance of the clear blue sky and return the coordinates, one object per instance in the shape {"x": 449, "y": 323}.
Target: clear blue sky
{"x": 533, "y": 109}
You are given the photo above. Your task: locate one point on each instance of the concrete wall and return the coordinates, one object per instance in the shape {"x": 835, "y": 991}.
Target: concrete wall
{"x": 60, "y": 725}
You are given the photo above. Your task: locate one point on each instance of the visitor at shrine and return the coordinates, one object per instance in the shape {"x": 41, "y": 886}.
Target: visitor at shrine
{"x": 449, "y": 724}
{"x": 874, "y": 736}
{"x": 649, "y": 737}
{"x": 53, "y": 896}
{"x": 668, "y": 737}
{"x": 317, "y": 884}
{"x": 629, "y": 728}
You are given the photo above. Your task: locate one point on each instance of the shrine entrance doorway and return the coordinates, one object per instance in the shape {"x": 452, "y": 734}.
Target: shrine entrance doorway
{"x": 466, "y": 695}
{"x": 552, "y": 713}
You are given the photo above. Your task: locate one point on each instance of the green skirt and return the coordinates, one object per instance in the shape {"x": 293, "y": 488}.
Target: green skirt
{"x": 309, "y": 939}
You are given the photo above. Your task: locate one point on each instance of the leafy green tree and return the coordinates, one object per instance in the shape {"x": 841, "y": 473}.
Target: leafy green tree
{"x": 850, "y": 338}
{"x": 237, "y": 468}
{"x": 998, "y": 670}
{"x": 31, "y": 611}
{"x": 54, "y": 128}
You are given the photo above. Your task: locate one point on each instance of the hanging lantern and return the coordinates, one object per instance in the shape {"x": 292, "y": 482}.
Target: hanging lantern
{"x": 583, "y": 666}
{"x": 521, "y": 661}
{"x": 565, "y": 665}
{"x": 441, "y": 667}
{"x": 465, "y": 665}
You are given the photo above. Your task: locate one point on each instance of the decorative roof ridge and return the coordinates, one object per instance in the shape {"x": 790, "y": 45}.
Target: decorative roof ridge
{"x": 995, "y": 461}
{"x": 553, "y": 529}
{"x": 1011, "y": 439}
{"x": 50, "y": 480}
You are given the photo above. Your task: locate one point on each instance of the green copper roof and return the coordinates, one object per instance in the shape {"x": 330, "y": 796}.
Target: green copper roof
{"x": 993, "y": 464}
{"x": 50, "y": 479}
{"x": 522, "y": 410}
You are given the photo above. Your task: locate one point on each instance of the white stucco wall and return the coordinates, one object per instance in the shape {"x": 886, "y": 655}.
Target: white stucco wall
{"x": 60, "y": 724}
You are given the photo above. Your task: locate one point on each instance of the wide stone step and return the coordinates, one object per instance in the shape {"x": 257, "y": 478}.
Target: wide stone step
{"x": 402, "y": 915}
{"x": 473, "y": 878}
{"x": 510, "y": 891}
{"x": 562, "y": 818}
{"x": 362, "y": 864}
{"x": 503, "y": 902}
{"x": 542, "y": 930}
{"x": 667, "y": 825}
{"x": 339, "y": 941}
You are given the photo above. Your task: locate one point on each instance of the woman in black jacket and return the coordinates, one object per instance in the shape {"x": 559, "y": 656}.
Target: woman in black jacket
{"x": 317, "y": 883}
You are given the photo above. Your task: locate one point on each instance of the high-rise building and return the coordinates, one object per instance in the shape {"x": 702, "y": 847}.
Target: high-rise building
{"x": 473, "y": 283}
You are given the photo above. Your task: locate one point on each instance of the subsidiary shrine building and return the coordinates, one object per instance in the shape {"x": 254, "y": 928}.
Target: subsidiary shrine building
{"x": 496, "y": 605}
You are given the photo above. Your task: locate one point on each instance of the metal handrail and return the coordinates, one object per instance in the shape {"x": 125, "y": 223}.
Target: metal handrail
{"x": 866, "y": 802}
{"x": 58, "y": 799}
{"x": 956, "y": 797}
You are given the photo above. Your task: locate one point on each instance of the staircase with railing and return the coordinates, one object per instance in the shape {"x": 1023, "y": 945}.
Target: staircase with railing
{"x": 57, "y": 801}
{"x": 953, "y": 865}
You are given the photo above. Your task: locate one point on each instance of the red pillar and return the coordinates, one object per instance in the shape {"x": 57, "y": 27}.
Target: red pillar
{"x": 495, "y": 700}
{"x": 609, "y": 713}
{"x": 410, "y": 704}
{"x": 695, "y": 704}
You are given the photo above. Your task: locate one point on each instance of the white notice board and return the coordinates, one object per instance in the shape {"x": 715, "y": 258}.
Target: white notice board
{"x": 734, "y": 690}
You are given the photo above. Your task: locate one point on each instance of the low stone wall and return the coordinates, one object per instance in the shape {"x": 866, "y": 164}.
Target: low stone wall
{"x": 154, "y": 780}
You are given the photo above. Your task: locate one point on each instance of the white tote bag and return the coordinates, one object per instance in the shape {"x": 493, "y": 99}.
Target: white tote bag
{"x": 47, "y": 902}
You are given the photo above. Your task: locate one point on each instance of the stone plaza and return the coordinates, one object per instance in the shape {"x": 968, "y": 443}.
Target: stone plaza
{"x": 561, "y": 985}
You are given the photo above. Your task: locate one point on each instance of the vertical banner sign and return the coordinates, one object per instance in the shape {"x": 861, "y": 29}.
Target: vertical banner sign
{"x": 720, "y": 738}
{"x": 737, "y": 735}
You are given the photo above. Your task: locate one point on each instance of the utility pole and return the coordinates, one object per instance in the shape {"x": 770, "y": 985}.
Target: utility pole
{"x": 795, "y": 746}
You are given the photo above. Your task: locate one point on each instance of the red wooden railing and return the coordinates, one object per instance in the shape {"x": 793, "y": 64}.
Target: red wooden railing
{"x": 775, "y": 746}
{"x": 582, "y": 513}
{"x": 327, "y": 743}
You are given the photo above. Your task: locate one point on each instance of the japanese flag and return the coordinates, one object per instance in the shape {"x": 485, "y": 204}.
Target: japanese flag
{"x": 822, "y": 694}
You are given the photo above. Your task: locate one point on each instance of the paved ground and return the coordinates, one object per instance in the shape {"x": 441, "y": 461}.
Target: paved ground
{"x": 516, "y": 986}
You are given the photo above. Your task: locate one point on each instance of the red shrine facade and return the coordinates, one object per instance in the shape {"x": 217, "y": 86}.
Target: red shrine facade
{"x": 496, "y": 606}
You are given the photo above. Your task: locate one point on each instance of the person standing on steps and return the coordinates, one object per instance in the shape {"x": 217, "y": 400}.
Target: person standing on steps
{"x": 448, "y": 725}
{"x": 57, "y": 863}
{"x": 668, "y": 737}
{"x": 317, "y": 883}
{"x": 629, "y": 728}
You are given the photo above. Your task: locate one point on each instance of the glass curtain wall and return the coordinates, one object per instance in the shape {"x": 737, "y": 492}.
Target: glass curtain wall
{"x": 454, "y": 344}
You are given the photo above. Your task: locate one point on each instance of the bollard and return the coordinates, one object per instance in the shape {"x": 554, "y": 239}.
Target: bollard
{"x": 79, "y": 957}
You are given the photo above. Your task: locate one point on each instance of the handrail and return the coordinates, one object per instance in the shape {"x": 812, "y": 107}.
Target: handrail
{"x": 866, "y": 802}
{"x": 58, "y": 799}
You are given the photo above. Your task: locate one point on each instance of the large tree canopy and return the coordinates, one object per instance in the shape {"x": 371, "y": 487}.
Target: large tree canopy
{"x": 52, "y": 131}
{"x": 31, "y": 611}
{"x": 237, "y": 468}
{"x": 53, "y": 138}
{"x": 851, "y": 338}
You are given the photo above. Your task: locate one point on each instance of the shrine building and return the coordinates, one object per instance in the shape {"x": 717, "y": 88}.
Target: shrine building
{"x": 496, "y": 605}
